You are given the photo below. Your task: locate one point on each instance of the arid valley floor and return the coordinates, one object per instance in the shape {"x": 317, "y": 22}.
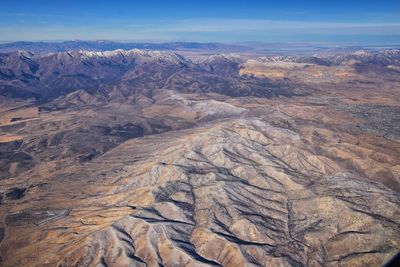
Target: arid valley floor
{"x": 148, "y": 158}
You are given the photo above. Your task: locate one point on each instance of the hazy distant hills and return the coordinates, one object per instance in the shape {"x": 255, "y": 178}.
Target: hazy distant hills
{"x": 45, "y": 47}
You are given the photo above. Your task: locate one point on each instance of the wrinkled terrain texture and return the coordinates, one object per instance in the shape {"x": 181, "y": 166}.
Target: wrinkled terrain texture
{"x": 146, "y": 158}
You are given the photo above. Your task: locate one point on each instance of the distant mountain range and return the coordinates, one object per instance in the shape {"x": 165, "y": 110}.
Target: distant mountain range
{"x": 211, "y": 47}
{"x": 24, "y": 74}
{"x": 46, "y": 47}
{"x": 384, "y": 57}
{"x": 122, "y": 73}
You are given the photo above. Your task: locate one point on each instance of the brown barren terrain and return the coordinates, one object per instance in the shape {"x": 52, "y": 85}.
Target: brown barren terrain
{"x": 223, "y": 162}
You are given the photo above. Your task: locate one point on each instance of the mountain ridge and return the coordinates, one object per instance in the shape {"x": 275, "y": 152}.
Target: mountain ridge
{"x": 54, "y": 74}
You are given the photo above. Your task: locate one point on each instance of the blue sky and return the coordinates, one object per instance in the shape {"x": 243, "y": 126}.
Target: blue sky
{"x": 351, "y": 21}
